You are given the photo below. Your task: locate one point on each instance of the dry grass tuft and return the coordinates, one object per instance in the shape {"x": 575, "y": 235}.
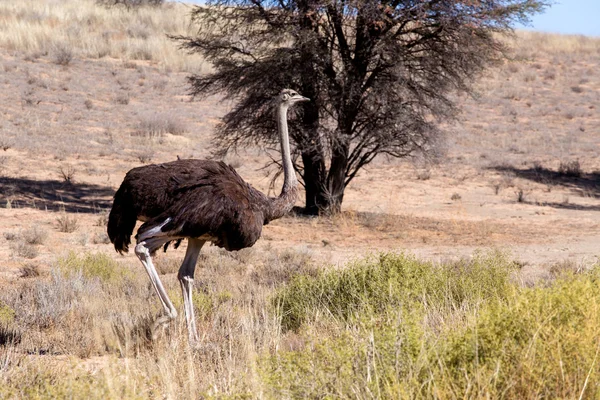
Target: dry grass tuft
{"x": 67, "y": 223}
{"x": 67, "y": 173}
{"x": 62, "y": 55}
{"x": 100, "y": 238}
{"x": 34, "y": 235}
{"x": 157, "y": 125}
{"x": 6, "y": 142}
{"x": 24, "y": 249}
{"x": 29, "y": 271}
{"x": 10, "y": 236}
{"x": 570, "y": 169}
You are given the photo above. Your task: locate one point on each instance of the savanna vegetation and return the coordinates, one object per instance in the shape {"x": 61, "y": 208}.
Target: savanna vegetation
{"x": 90, "y": 92}
{"x": 387, "y": 326}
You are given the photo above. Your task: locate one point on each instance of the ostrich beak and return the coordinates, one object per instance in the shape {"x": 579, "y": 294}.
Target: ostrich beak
{"x": 302, "y": 98}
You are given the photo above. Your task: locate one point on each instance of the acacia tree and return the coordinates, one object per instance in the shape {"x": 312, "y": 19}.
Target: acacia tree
{"x": 380, "y": 75}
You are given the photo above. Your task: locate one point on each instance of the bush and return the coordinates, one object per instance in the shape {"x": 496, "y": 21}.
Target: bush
{"x": 92, "y": 265}
{"x": 29, "y": 271}
{"x": 7, "y": 314}
{"x": 543, "y": 343}
{"x": 391, "y": 281}
{"x": 34, "y": 235}
{"x": 67, "y": 223}
{"x": 10, "y": 236}
{"x": 394, "y": 327}
{"x": 157, "y": 125}
{"x": 570, "y": 169}
{"x": 62, "y": 54}
{"x": 24, "y": 249}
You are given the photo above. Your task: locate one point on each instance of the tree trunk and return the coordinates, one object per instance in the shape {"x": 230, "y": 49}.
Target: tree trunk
{"x": 336, "y": 178}
{"x": 314, "y": 183}
{"x": 325, "y": 192}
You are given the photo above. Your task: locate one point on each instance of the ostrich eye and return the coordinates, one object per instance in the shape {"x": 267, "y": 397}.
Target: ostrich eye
{"x": 294, "y": 93}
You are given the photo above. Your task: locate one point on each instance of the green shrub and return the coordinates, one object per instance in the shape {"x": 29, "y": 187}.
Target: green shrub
{"x": 544, "y": 341}
{"x": 7, "y": 314}
{"x": 389, "y": 282}
{"x": 204, "y": 303}
{"x": 93, "y": 265}
{"x": 394, "y": 327}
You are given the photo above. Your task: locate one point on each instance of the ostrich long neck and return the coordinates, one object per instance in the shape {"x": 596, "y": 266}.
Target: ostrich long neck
{"x": 289, "y": 177}
{"x": 289, "y": 193}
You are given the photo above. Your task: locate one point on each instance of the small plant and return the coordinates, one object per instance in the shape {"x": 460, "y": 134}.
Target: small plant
{"x": 88, "y": 104}
{"x": 145, "y": 155}
{"x": 91, "y": 265}
{"x": 122, "y": 98}
{"x": 3, "y": 162}
{"x": 424, "y": 175}
{"x": 571, "y": 169}
{"x": 158, "y": 125}
{"x": 7, "y": 314}
{"x": 550, "y": 75}
{"x": 455, "y": 197}
{"x": 100, "y": 238}
{"x": 67, "y": 173}
{"x": 521, "y": 195}
{"x": 497, "y": 186}
{"x": 29, "y": 271}
{"x": 282, "y": 266}
{"x": 82, "y": 239}
{"x": 565, "y": 267}
{"x": 577, "y": 89}
{"x": 11, "y": 236}
{"x": 168, "y": 265}
{"x": 63, "y": 55}
{"x": 6, "y": 142}
{"x": 34, "y": 235}
{"x": 67, "y": 223}
{"x": 102, "y": 219}
{"x": 24, "y": 249}
{"x": 9, "y": 336}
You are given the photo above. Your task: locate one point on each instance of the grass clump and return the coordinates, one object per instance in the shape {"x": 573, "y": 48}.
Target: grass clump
{"x": 570, "y": 169}
{"x": 47, "y": 381}
{"x": 394, "y": 327}
{"x": 93, "y": 265}
{"x": 157, "y": 125}
{"x": 7, "y": 314}
{"x": 391, "y": 281}
{"x": 204, "y": 303}
{"x": 35, "y": 235}
{"x": 542, "y": 343}
{"x": 24, "y": 249}
{"x": 67, "y": 223}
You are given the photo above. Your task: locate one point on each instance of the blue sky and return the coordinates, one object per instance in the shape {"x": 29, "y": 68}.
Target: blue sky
{"x": 570, "y": 16}
{"x": 565, "y": 16}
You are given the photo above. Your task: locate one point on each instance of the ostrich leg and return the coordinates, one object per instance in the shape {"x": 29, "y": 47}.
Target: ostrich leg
{"x": 147, "y": 244}
{"x": 186, "y": 279}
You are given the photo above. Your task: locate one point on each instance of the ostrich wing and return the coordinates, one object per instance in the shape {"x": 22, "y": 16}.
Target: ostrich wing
{"x": 210, "y": 200}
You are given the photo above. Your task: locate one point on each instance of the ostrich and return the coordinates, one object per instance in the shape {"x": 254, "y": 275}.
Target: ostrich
{"x": 201, "y": 201}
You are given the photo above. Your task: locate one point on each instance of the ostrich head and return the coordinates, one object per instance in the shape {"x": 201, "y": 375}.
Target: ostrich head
{"x": 290, "y": 97}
